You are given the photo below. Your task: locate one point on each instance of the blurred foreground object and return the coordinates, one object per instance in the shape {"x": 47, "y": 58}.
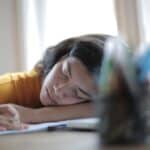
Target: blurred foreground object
{"x": 143, "y": 65}
{"x": 120, "y": 97}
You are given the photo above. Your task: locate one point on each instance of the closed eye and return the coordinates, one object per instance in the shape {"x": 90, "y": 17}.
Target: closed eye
{"x": 84, "y": 93}
{"x": 79, "y": 90}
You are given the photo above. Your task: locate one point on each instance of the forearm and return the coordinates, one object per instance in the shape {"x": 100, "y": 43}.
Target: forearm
{"x": 59, "y": 113}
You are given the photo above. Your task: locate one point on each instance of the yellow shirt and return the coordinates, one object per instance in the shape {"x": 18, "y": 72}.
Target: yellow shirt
{"x": 22, "y": 88}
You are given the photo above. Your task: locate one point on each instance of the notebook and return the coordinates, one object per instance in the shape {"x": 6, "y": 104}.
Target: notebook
{"x": 86, "y": 123}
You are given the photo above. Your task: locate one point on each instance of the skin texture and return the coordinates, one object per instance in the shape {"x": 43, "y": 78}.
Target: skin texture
{"x": 67, "y": 89}
{"x": 10, "y": 118}
{"x": 28, "y": 115}
{"x": 65, "y": 93}
{"x": 69, "y": 82}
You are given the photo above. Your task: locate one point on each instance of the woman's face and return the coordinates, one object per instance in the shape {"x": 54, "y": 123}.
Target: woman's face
{"x": 69, "y": 82}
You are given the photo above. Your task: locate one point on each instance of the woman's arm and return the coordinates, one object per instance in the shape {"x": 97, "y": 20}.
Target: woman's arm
{"x": 55, "y": 113}
{"x": 14, "y": 116}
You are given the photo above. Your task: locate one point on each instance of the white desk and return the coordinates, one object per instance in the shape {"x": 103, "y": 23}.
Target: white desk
{"x": 50, "y": 140}
{"x": 58, "y": 141}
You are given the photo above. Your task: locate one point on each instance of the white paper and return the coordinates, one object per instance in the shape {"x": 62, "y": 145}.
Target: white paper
{"x": 33, "y": 128}
{"x": 81, "y": 123}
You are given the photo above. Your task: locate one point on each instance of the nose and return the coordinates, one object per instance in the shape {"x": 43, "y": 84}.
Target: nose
{"x": 64, "y": 90}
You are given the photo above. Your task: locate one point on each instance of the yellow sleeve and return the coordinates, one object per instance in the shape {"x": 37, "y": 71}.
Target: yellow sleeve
{"x": 21, "y": 88}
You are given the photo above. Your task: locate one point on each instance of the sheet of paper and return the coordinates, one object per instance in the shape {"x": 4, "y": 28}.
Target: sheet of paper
{"x": 82, "y": 123}
{"x": 33, "y": 128}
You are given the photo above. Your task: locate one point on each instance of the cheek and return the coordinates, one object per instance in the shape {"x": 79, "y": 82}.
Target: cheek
{"x": 43, "y": 97}
{"x": 54, "y": 77}
{"x": 50, "y": 79}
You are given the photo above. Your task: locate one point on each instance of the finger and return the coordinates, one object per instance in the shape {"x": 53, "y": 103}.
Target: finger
{"x": 9, "y": 123}
{"x": 24, "y": 126}
{"x": 11, "y": 126}
{"x": 2, "y": 128}
{"x": 8, "y": 110}
{"x": 11, "y": 111}
{"x": 4, "y": 120}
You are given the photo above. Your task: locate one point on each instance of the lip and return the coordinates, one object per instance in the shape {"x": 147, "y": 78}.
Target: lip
{"x": 50, "y": 97}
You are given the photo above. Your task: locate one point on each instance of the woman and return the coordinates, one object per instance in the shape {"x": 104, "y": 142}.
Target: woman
{"x": 64, "y": 79}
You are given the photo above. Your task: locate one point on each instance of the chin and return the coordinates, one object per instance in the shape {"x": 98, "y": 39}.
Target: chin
{"x": 43, "y": 100}
{"x": 46, "y": 102}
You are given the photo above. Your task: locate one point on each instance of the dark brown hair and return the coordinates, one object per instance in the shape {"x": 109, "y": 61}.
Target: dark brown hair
{"x": 87, "y": 48}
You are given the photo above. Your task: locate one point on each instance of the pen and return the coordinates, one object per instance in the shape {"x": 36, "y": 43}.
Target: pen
{"x": 64, "y": 127}
{"x": 57, "y": 127}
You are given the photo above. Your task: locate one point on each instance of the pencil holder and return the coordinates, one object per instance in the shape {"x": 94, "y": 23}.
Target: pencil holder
{"x": 119, "y": 102}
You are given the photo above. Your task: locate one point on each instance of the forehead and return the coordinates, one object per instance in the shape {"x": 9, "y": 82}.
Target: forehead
{"x": 77, "y": 66}
{"x": 80, "y": 74}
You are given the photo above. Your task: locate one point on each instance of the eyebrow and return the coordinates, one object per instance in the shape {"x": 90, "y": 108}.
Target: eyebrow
{"x": 81, "y": 90}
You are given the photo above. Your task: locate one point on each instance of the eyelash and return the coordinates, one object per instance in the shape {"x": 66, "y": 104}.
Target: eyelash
{"x": 65, "y": 77}
{"x": 77, "y": 95}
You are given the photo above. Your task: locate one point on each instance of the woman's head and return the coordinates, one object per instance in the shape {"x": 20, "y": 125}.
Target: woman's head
{"x": 70, "y": 69}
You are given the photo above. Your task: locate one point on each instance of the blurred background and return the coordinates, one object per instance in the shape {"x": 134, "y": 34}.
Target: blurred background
{"x": 28, "y": 27}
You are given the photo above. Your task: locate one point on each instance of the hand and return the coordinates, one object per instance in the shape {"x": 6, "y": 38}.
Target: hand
{"x": 10, "y": 118}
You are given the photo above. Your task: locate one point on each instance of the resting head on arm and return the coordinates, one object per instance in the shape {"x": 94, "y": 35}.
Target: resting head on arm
{"x": 69, "y": 75}
{"x": 68, "y": 71}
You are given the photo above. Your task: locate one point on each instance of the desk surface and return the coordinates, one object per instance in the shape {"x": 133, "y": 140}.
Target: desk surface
{"x": 49, "y": 140}
{"x": 57, "y": 141}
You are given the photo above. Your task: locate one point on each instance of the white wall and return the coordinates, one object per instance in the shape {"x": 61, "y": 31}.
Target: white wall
{"x": 26, "y": 30}
{"x": 8, "y": 36}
